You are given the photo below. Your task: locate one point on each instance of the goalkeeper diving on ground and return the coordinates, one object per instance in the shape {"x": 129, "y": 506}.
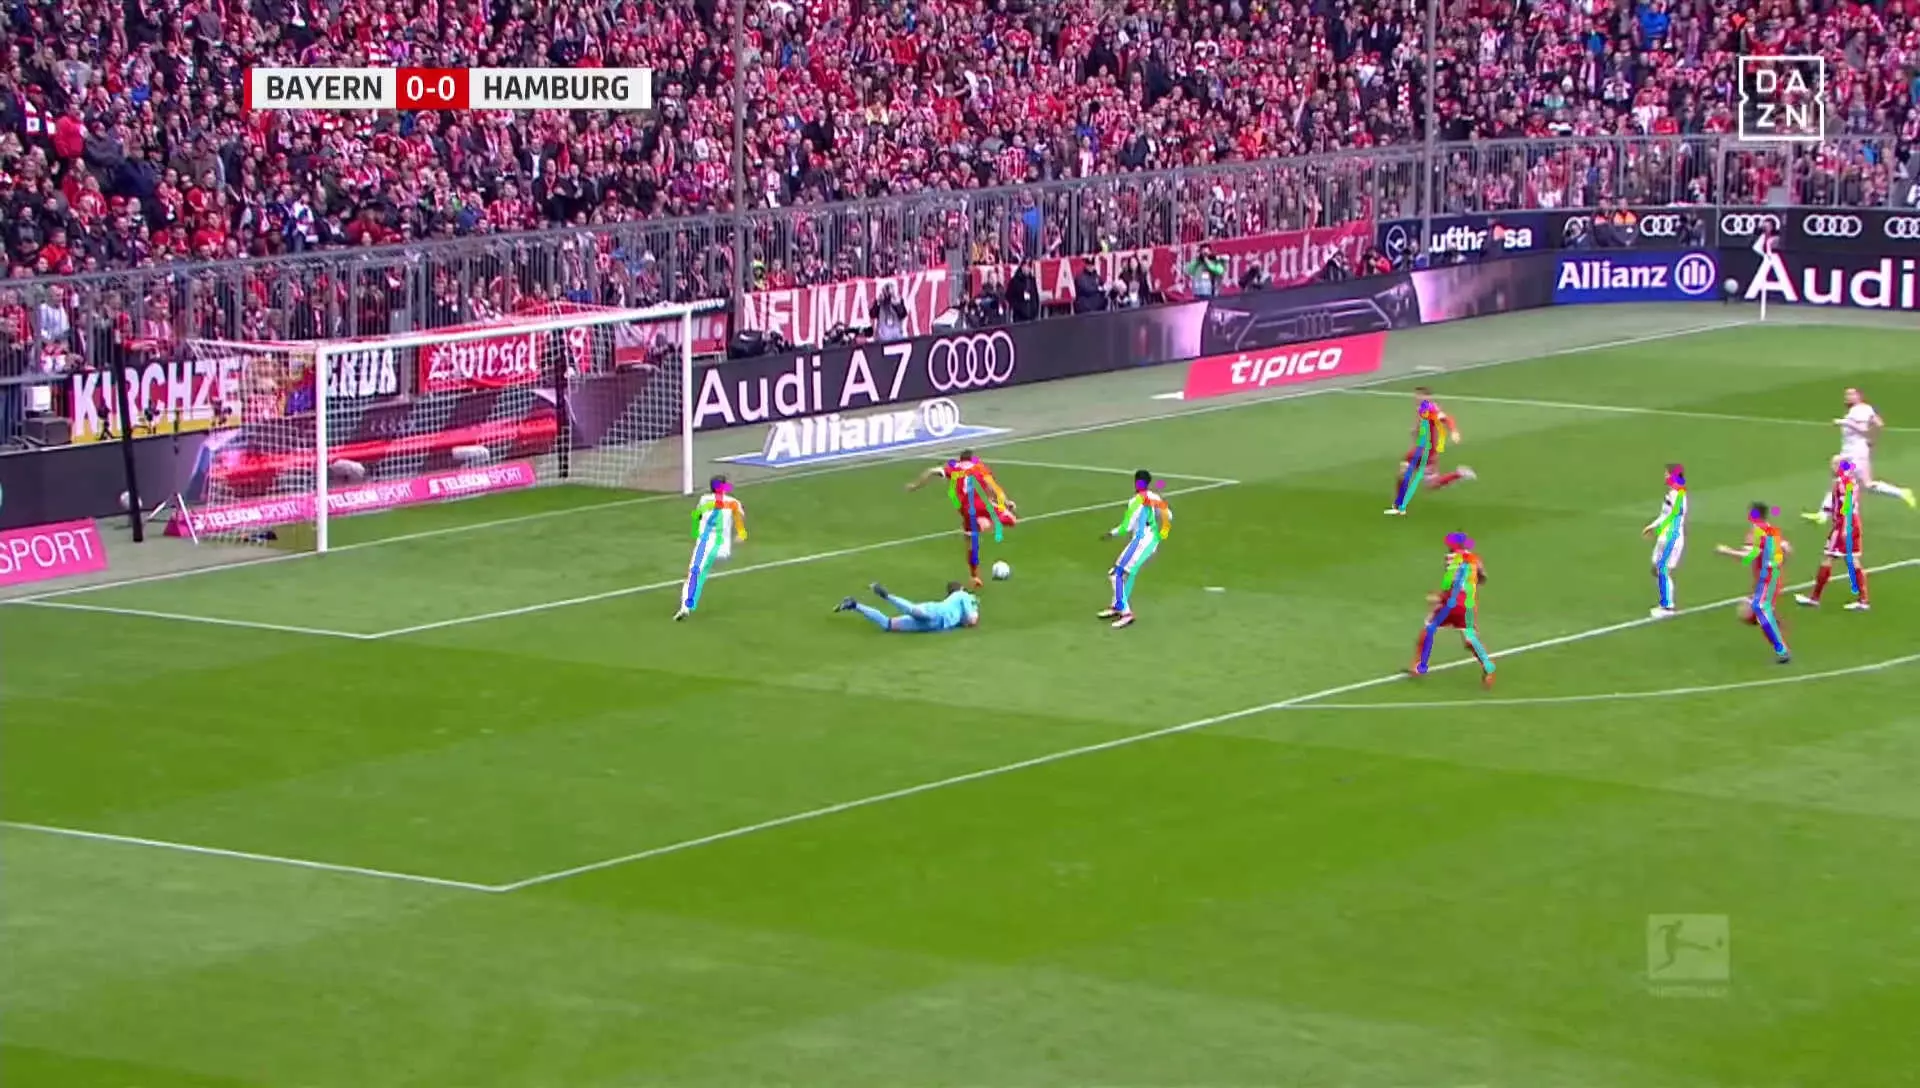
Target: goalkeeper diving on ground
{"x": 958, "y": 609}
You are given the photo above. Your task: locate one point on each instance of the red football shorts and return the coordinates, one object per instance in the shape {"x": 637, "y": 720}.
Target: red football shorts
{"x": 1838, "y": 547}
{"x": 971, "y": 514}
{"x": 1442, "y": 616}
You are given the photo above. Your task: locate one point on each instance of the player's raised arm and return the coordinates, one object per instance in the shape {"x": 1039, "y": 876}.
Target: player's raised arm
{"x": 993, "y": 484}
{"x": 739, "y": 517}
{"x": 927, "y": 477}
{"x": 1129, "y": 519}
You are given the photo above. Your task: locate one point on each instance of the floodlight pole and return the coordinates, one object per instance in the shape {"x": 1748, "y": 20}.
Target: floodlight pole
{"x": 740, "y": 277}
{"x": 1429, "y": 163}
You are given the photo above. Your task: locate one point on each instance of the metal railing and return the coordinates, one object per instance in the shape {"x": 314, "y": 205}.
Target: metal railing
{"x": 52, "y": 323}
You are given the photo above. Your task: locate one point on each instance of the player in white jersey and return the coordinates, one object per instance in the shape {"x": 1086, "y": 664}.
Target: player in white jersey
{"x": 1669, "y": 534}
{"x": 718, "y": 521}
{"x": 1859, "y": 429}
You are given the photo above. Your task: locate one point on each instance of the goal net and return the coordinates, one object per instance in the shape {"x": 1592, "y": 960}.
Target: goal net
{"x": 568, "y": 394}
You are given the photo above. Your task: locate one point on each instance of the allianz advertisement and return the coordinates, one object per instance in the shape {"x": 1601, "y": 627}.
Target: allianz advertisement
{"x": 1634, "y": 275}
{"x": 837, "y": 436}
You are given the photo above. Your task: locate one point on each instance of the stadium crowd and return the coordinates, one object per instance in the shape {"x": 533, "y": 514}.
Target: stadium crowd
{"x": 123, "y": 141}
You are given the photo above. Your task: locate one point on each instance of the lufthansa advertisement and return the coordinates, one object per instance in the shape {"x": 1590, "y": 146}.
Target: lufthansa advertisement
{"x": 1470, "y": 236}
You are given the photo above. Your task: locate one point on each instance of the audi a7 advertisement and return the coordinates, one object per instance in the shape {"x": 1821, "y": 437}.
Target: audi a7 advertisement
{"x": 740, "y": 392}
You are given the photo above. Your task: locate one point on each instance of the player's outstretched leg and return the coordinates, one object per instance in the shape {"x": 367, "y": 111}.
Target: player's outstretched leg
{"x": 1423, "y": 650}
{"x": 1438, "y": 480}
{"x": 910, "y": 609}
{"x": 867, "y": 612}
{"x": 1825, "y": 510}
{"x": 695, "y": 583}
{"x": 1411, "y": 473}
{"x": 1888, "y": 487}
{"x": 1472, "y": 638}
{"x": 1820, "y": 579}
{"x": 1769, "y": 626}
{"x": 973, "y": 552}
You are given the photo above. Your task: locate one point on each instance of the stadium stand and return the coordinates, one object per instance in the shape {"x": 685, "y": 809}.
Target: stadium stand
{"x": 122, "y": 140}
{"x": 140, "y": 204}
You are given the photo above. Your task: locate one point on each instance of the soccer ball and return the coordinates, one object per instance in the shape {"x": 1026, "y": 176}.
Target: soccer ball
{"x": 1002, "y": 571}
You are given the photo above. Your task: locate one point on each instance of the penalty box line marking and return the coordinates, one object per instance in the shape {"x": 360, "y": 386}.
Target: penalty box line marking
{"x": 1298, "y": 701}
{"x": 1624, "y": 410}
{"x": 1224, "y": 405}
{"x": 181, "y": 617}
{"x": 246, "y": 855}
{"x": 776, "y": 564}
{"x": 1107, "y": 470}
{"x": 1625, "y": 696}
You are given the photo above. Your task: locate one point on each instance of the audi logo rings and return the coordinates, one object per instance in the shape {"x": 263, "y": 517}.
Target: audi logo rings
{"x": 979, "y": 360}
{"x": 1901, "y": 228}
{"x": 1744, "y": 223}
{"x": 1832, "y": 226}
{"x": 1315, "y": 324}
{"x": 1660, "y": 226}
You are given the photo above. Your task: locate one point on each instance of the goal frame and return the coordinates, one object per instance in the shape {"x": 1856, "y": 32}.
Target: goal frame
{"x": 588, "y": 316}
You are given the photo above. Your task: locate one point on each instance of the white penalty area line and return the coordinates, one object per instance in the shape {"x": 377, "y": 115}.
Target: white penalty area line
{"x": 776, "y": 564}
{"x": 181, "y": 617}
{"x": 1626, "y": 696}
{"x": 1224, "y": 405}
{"x": 1108, "y": 470}
{"x": 1626, "y": 410}
{"x": 244, "y": 855}
{"x": 1298, "y": 701}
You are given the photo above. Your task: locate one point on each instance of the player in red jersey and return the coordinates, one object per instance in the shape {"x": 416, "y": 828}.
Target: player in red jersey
{"x": 978, "y": 497}
{"x": 1456, "y": 605}
{"x": 1766, "y": 553}
{"x": 1432, "y": 429}
{"x": 1843, "y": 539}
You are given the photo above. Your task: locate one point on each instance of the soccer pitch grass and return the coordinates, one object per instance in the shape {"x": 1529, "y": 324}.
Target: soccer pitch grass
{"x": 458, "y": 805}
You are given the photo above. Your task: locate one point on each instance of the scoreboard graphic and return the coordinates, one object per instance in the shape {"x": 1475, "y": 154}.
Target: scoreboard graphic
{"x": 348, "y": 89}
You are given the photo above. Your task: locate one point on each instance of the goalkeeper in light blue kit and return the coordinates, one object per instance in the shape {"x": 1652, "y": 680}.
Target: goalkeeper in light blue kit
{"x": 958, "y": 609}
{"x": 716, "y": 520}
{"x": 1147, "y": 522}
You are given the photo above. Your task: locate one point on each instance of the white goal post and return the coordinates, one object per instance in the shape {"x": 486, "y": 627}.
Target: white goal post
{"x": 306, "y": 431}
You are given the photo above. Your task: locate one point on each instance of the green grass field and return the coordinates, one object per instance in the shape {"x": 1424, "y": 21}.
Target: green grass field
{"x": 458, "y": 806}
